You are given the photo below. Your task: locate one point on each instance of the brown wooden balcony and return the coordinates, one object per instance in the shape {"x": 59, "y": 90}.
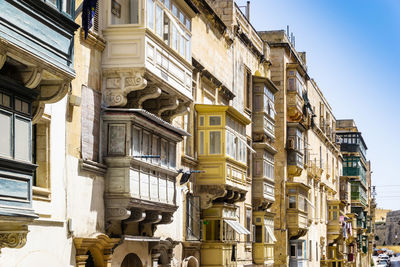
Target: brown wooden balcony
{"x": 294, "y": 106}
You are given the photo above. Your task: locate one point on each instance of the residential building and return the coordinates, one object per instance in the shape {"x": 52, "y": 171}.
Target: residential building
{"x": 233, "y": 88}
{"x": 36, "y": 70}
{"x": 356, "y": 169}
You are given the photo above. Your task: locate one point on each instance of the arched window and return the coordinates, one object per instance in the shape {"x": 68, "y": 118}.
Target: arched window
{"x": 131, "y": 260}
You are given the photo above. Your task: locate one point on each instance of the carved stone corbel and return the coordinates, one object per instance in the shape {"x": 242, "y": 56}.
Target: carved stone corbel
{"x": 137, "y": 215}
{"x": 152, "y": 216}
{"x": 32, "y": 77}
{"x": 182, "y": 109}
{"x": 117, "y": 214}
{"x": 143, "y": 95}
{"x": 168, "y": 104}
{"x": 167, "y": 218}
{"x": 120, "y": 83}
{"x": 12, "y": 239}
{"x": 210, "y": 193}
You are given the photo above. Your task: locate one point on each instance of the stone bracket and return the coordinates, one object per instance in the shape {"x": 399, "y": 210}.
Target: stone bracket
{"x": 13, "y": 239}
{"x": 119, "y": 83}
{"x": 117, "y": 214}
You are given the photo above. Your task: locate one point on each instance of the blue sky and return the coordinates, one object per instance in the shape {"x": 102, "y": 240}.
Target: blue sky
{"x": 353, "y": 53}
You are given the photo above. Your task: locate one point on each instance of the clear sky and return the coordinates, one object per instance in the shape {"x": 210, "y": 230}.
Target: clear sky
{"x": 353, "y": 53}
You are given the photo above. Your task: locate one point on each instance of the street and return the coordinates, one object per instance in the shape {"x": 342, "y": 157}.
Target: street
{"x": 394, "y": 260}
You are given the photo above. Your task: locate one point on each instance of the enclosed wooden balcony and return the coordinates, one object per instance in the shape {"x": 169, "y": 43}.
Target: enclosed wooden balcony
{"x": 334, "y": 227}
{"x": 297, "y": 211}
{"x": 140, "y": 154}
{"x": 358, "y": 194}
{"x": 263, "y": 182}
{"x": 222, "y": 152}
{"x": 295, "y": 149}
{"x": 221, "y": 231}
{"x": 147, "y": 62}
{"x": 263, "y": 244}
{"x": 263, "y": 116}
{"x": 295, "y": 88}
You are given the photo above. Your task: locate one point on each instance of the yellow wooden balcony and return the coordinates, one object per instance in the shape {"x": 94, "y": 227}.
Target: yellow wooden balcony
{"x": 222, "y": 146}
{"x": 294, "y": 106}
{"x": 263, "y": 253}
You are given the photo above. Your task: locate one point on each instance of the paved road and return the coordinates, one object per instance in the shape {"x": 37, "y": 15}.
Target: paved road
{"x": 394, "y": 260}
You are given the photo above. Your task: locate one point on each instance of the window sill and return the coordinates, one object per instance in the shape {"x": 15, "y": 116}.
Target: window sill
{"x": 91, "y": 166}
{"x": 93, "y": 39}
{"x": 41, "y": 193}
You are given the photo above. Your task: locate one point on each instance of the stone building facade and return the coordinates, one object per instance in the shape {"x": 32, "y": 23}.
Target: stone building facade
{"x": 175, "y": 134}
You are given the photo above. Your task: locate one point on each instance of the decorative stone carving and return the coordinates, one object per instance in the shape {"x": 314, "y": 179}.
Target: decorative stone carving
{"x": 32, "y": 77}
{"x": 119, "y": 83}
{"x": 167, "y": 104}
{"x": 137, "y": 215}
{"x": 117, "y": 214}
{"x": 210, "y": 193}
{"x": 167, "y": 217}
{"x": 100, "y": 246}
{"x": 152, "y": 216}
{"x": 12, "y": 239}
{"x": 182, "y": 109}
{"x": 143, "y": 95}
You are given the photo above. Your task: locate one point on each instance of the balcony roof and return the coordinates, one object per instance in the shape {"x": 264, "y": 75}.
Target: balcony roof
{"x": 149, "y": 116}
{"x": 221, "y": 108}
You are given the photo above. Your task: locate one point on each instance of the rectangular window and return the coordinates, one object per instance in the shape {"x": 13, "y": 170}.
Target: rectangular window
{"x": 201, "y": 142}
{"x": 150, "y": 14}
{"x": 172, "y": 155}
{"x": 292, "y": 251}
{"x": 136, "y": 141}
{"x": 248, "y": 89}
{"x": 215, "y": 120}
{"x": 23, "y": 137}
{"x": 124, "y": 12}
{"x": 248, "y": 224}
{"x": 164, "y": 152}
{"x": 215, "y": 142}
{"x": 155, "y": 149}
{"x": 174, "y": 37}
{"x": 188, "y": 49}
{"x": 6, "y": 138}
{"x": 174, "y": 10}
{"x": 182, "y": 45}
{"x": 159, "y": 21}
{"x": 146, "y": 145}
{"x": 292, "y": 202}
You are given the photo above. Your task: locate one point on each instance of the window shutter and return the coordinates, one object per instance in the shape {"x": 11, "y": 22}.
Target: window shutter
{"x": 90, "y": 123}
{"x": 96, "y": 18}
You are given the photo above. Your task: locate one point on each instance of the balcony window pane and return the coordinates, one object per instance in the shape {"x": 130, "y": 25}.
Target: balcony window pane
{"x": 172, "y": 155}
{"x": 201, "y": 143}
{"x": 166, "y": 3}
{"x": 299, "y": 250}
{"x": 188, "y": 49}
{"x": 182, "y": 46}
{"x": 292, "y": 250}
{"x": 164, "y": 152}
{"x": 174, "y": 10}
{"x": 66, "y": 7}
{"x": 188, "y": 24}
{"x": 146, "y": 145}
{"x": 22, "y": 139}
{"x": 150, "y": 14}
{"x": 136, "y": 141}
{"x": 215, "y": 142}
{"x": 5, "y": 140}
{"x": 174, "y": 37}
{"x": 159, "y": 21}
{"x": 292, "y": 202}
{"x": 215, "y": 120}
{"x": 134, "y": 9}
{"x": 155, "y": 149}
